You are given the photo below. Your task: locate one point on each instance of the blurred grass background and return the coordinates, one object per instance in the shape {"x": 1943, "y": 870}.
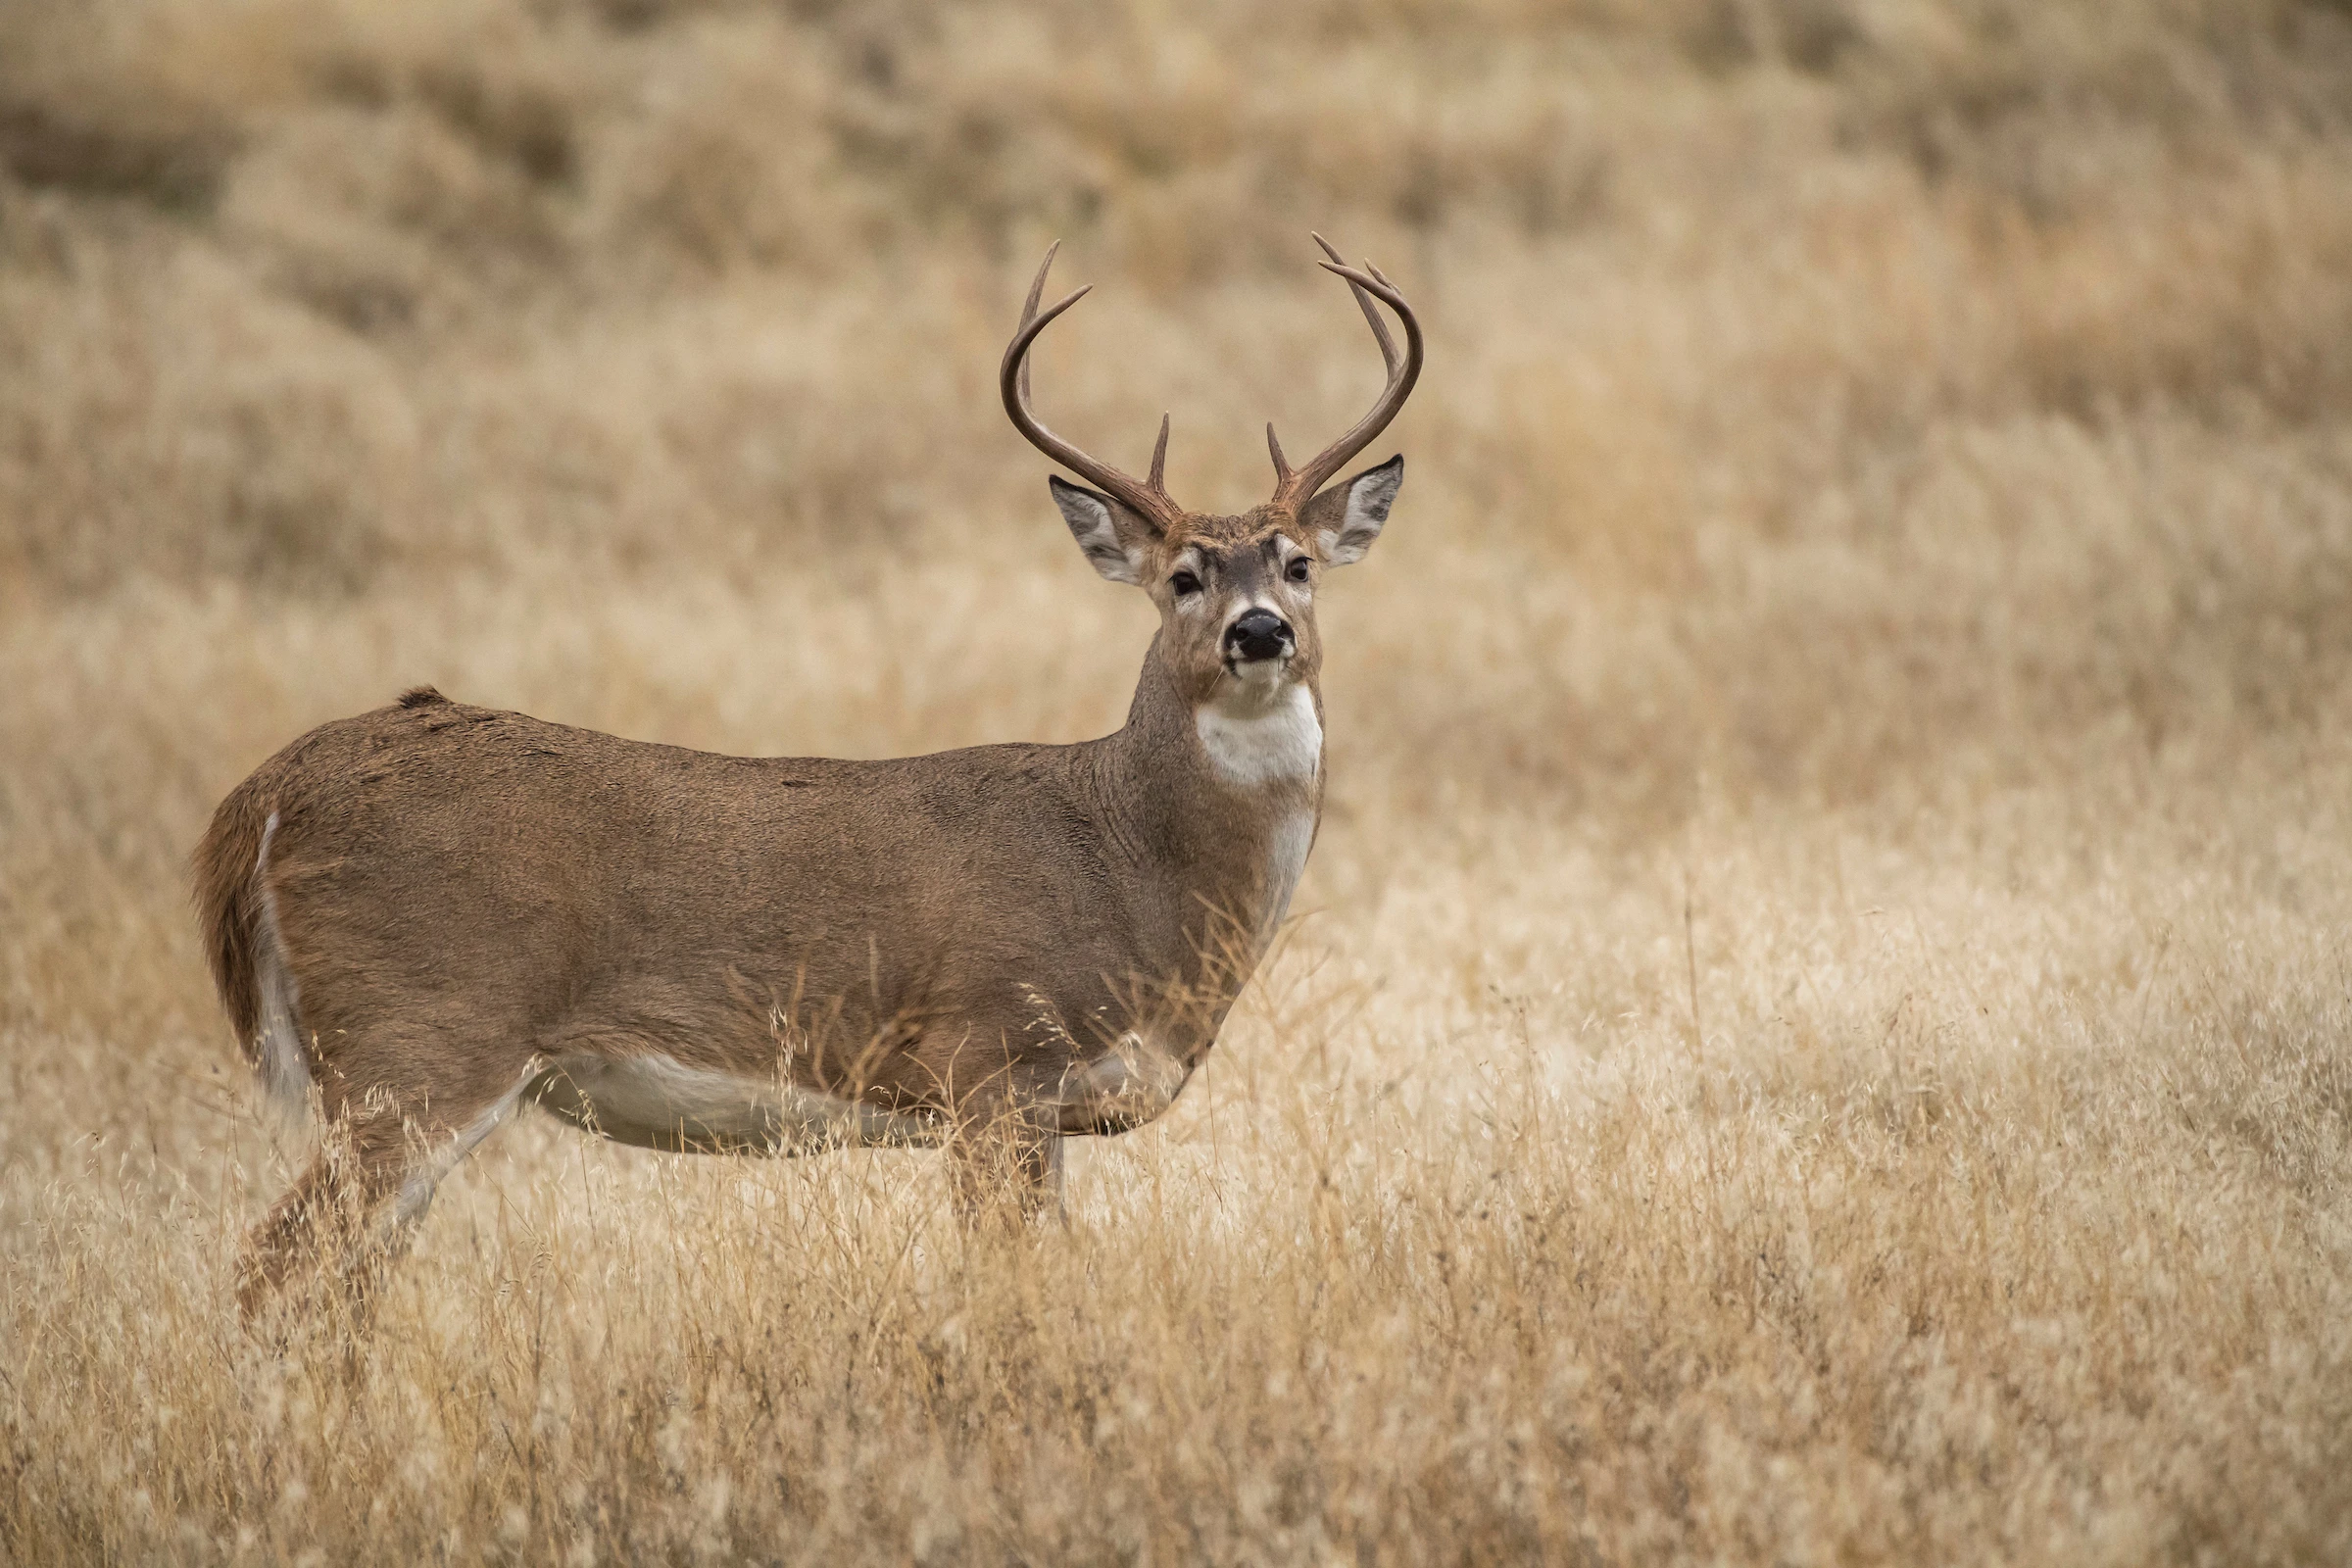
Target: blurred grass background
{"x": 2003, "y": 324}
{"x": 1836, "y": 765}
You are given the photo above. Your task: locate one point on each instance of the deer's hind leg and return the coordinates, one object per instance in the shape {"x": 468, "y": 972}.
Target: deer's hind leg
{"x": 321, "y": 1220}
{"x": 352, "y": 1212}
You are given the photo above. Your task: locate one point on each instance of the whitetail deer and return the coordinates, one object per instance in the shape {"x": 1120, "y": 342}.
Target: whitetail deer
{"x": 432, "y": 914}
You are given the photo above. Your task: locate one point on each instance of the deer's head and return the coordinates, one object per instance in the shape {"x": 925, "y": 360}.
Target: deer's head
{"x": 1236, "y": 594}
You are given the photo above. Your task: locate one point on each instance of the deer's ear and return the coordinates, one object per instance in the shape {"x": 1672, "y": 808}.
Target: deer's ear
{"x": 1110, "y": 535}
{"x": 1346, "y": 518}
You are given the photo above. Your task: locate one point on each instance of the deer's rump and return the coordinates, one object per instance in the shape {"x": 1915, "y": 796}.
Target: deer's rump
{"x": 445, "y": 883}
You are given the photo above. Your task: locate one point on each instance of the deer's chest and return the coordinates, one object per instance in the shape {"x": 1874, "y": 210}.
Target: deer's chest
{"x": 1269, "y": 756}
{"x": 1293, "y": 834}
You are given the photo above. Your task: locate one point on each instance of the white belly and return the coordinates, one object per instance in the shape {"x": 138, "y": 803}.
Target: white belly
{"x": 657, "y": 1103}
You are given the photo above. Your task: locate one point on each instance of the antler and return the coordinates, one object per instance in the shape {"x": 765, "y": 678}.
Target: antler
{"x": 1294, "y": 488}
{"x": 1148, "y": 498}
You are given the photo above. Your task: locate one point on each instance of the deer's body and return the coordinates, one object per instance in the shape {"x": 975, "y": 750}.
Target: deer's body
{"x": 867, "y": 932}
{"x": 433, "y": 914}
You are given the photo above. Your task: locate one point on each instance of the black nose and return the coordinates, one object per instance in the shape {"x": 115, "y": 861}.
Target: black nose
{"x": 1258, "y": 634}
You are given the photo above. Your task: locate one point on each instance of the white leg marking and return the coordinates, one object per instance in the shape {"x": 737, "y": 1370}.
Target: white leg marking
{"x": 1057, "y": 1201}
{"x": 417, "y": 1193}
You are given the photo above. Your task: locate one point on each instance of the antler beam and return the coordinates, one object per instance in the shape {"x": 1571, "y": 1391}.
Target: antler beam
{"x": 1294, "y": 488}
{"x": 1148, "y": 498}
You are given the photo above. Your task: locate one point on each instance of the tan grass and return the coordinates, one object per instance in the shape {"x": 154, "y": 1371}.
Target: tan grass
{"x": 1815, "y": 1030}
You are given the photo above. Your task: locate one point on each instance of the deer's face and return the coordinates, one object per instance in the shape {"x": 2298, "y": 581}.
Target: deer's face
{"x": 1236, "y": 595}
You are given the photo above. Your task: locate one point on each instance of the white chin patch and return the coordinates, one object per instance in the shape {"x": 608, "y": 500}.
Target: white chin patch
{"x": 1254, "y": 740}
{"x": 1262, "y": 673}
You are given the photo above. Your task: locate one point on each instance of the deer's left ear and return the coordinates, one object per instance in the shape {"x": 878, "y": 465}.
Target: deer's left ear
{"x": 1347, "y": 517}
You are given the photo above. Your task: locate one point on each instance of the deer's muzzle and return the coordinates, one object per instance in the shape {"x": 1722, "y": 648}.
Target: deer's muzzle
{"x": 1260, "y": 634}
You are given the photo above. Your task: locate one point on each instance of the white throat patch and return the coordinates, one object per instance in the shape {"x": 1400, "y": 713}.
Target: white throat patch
{"x": 1261, "y": 743}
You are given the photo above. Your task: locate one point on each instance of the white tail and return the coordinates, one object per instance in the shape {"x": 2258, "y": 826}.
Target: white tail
{"x": 284, "y": 1072}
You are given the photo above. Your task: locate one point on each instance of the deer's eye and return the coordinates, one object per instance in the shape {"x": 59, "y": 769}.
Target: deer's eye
{"x": 1298, "y": 570}
{"x": 1184, "y": 582}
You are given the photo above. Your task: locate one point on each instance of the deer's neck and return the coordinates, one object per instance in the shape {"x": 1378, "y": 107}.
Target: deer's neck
{"x": 1221, "y": 798}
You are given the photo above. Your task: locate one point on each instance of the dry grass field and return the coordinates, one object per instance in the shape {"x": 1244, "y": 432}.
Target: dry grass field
{"x": 1816, "y": 1031}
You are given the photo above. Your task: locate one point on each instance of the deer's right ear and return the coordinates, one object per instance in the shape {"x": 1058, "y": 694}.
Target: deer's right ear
{"x": 1110, "y": 537}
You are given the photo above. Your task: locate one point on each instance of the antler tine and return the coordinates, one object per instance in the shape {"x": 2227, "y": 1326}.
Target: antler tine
{"x": 1036, "y": 291}
{"x": 1159, "y": 459}
{"x": 1282, "y": 470}
{"x": 1363, "y": 302}
{"x": 1294, "y": 488}
{"x": 1148, "y": 501}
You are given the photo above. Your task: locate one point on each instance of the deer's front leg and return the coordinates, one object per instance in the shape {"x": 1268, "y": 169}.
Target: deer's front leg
{"x": 1007, "y": 1165}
